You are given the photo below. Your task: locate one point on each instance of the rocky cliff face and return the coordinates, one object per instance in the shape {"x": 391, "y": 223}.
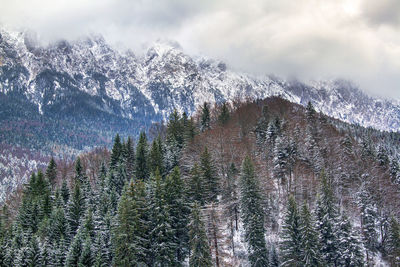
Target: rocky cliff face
{"x": 89, "y": 79}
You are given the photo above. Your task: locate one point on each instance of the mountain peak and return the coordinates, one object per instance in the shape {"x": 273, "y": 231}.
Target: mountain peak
{"x": 166, "y": 78}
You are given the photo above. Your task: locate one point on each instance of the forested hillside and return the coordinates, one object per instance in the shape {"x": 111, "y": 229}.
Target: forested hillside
{"x": 262, "y": 183}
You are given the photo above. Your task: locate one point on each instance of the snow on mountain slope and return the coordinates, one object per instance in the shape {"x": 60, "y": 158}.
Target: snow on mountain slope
{"x": 165, "y": 78}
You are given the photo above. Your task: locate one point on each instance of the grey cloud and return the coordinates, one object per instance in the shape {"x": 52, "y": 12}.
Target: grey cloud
{"x": 382, "y": 12}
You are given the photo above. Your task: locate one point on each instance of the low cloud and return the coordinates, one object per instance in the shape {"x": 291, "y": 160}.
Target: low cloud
{"x": 309, "y": 39}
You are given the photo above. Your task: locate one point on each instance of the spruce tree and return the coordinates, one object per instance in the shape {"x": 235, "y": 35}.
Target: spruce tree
{"x": 75, "y": 250}
{"x": 368, "y": 221}
{"x": 58, "y": 226}
{"x": 199, "y": 249}
{"x": 309, "y": 243}
{"x": 76, "y": 209}
{"x": 327, "y": 223}
{"x": 65, "y": 191}
{"x": 205, "y": 117}
{"x": 209, "y": 176}
{"x": 393, "y": 246}
{"x": 51, "y": 172}
{"x": 86, "y": 258}
{"x": 156, "y": 156}
{"x": 189, "y": 130}
{"x": 196, "y": 185}
{"x": 129, "y": 158}
{"x": 349, "y": 249}
{"x": 116, "y": 152}
{"x": 253, "y": 215}
{"x": 125, "y": 228}
{"x": 224, "y": 115}
{"x": 162, "y": 235}
{"x": 142, "y": 169}
{"x": 178, "y": 212}
{"x": 291, "y": 244}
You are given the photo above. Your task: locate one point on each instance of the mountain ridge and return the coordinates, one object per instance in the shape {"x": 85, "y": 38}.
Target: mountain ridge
{"x": 163, "y": 79}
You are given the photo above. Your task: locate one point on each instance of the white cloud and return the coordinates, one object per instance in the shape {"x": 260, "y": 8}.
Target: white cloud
{"x": 310, "y": 39}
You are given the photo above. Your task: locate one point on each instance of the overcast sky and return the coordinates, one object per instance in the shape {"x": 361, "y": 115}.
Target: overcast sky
{"x": 309, "y": 39}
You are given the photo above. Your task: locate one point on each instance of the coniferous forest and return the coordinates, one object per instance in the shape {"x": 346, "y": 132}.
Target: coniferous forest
{"x": 262, "y": 183}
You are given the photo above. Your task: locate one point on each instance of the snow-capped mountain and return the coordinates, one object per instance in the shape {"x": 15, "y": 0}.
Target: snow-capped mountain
{"x": 88, "y": 76}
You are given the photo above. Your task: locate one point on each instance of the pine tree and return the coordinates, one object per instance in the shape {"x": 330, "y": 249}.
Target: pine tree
{"x": 129, "y": 155}
{"x": 291, "y": 249}
{"x": 196, "y": 185}
{"x": 382, "y": 156}
{"x": 178, "y": 212}
{"x": 395, "y": 171}
{"x": 209, "y": 176}
{"x": 162, "y": 235}
{"x": 125, "y": 229}
{"x": 58, "y": 226}
{"x": 189, "y": 131}
{"x": 156, "y": 156}
{"x": 368, "y": 221}
{"x": 60, "y": 253}
{"x": 142, "y": 169}
{"x": 86, "y": 257}
{"x": 51, "y": 172}
{"x": 252, "y": 215}
{"x": 65, "y": 192}
{"x": 310, "y": 112}
{"x": 309, "y": 244}
{"x": 75, "y": 250}
{"x": 327, "y": 222}
{"x": 116, "y": 152}
{"x": 224, "y": 115}
{"x": 76, "y": 209}
{"x": 205, "y": 117}
{"x": 349, "y": 249}
{"x": 393, "y": 247}
{"x": 199, "y": 249}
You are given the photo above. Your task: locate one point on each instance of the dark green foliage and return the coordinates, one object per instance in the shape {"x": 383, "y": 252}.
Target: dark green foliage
{"x": 65, "y": 192}
{"x": 309, "y": 243}
{"x": 116, "y": 152}
{"x": 58, "y": 226}
{"x": 125, "y": 228}
{"x": 75, "y": 250}
{"x": 291, "y": 244}
{"x": 51, "y": 172}
{"x": 131, "y": 239}
{"x": 86, "y": 258}
{"x": 224, "y": 114}
{"x": 393, "y": 246}
{"x": 75, "y": 209}
{"x": 205, "y": 117}
{"x": 327, "y": 223}
{"x": 253, "y": 215}
{"x": 142, "y": 168}
{"x": 163, "y": 245}
{"x": 310, "y": 112}
{"x": 368, "y": 219}
{"x": 178, "y": 212}
{"x": 209, "y": 176}
{"x": 129, "y": 156}
{"x": 349, "y": 249}
{"x": 199, "y": 249}
{"x": 189, "y": 131}
{"x": 156, "y": 156}
{"x": 196, "y": 185}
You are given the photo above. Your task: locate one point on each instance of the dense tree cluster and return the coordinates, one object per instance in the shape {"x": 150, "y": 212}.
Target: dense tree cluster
{"x": 179, "y": 199}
